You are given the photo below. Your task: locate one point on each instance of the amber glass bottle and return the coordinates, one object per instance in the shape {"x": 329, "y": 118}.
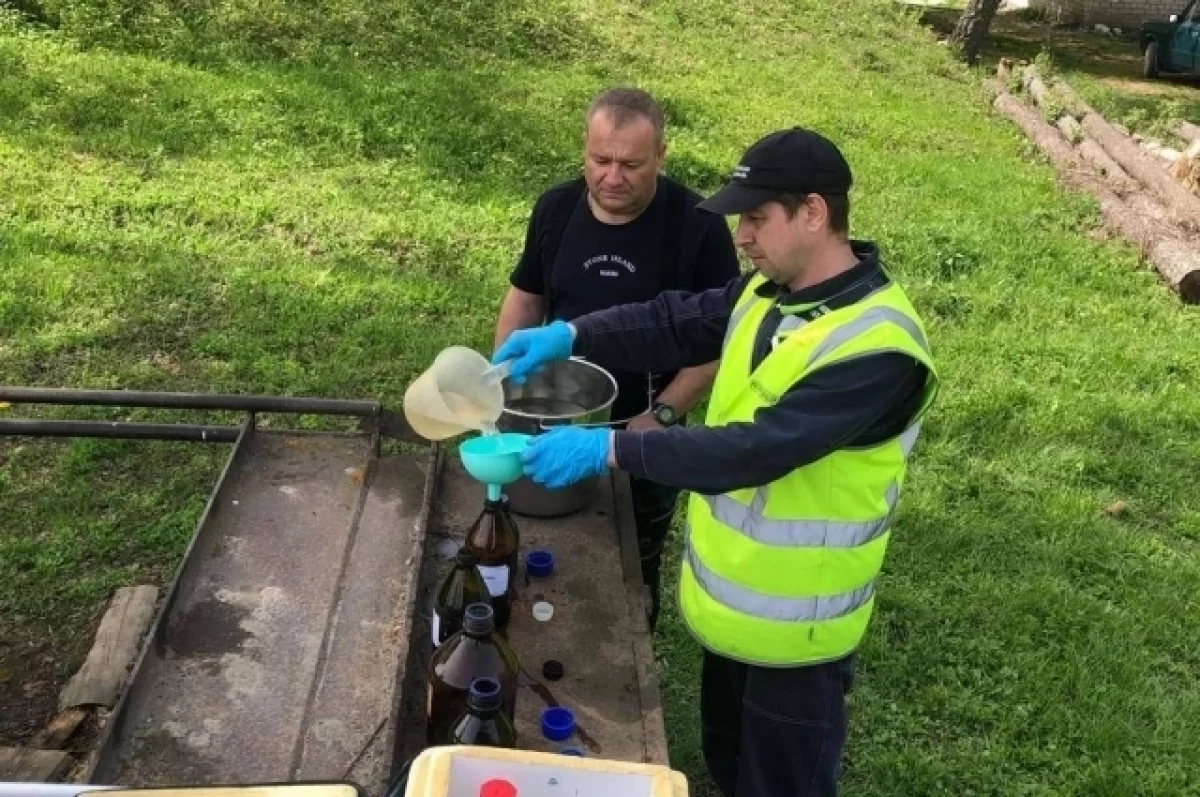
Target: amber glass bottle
{"x": 461, "y": 587}
{"x": 475, "y": 652}
{"x": 495, "y": 541}
{"x": 484, "y": 723}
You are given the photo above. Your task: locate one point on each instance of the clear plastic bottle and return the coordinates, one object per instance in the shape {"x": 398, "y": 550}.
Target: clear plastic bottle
{"x": 474, "y": 652}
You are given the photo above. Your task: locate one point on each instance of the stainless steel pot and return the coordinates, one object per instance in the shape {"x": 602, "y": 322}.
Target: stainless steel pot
{"x": 567, "y": 392}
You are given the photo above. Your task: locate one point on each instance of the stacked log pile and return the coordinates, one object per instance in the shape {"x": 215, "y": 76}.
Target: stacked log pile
{"x": 1187, "y": 169}
{"x": 1150, "y": 206}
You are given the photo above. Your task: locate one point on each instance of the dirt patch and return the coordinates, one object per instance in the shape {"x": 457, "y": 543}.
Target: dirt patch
{"x": 36, "y": 661}
{"x": 1143, "y": 87}
{"x": 1014, "y": 37}
{"x": 31, "y": 675}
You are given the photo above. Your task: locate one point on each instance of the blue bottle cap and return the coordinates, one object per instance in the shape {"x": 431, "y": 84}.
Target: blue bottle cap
{"x": 539, "y": 564}
{"x": 484, "y": 694}
{"x": 557, "y": 724}
{"x": 479, "y": 618}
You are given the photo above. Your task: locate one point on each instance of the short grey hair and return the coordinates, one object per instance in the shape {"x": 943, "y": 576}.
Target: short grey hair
{"x": 627, "y": 104}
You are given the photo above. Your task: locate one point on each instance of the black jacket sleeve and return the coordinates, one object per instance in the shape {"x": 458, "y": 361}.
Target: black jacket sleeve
{"x": 836, "y": 406}
{"x": 676, "y": 330}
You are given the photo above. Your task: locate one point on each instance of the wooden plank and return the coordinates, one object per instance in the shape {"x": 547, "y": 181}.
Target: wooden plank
{"x": 654, "y": 734}
{"x": 626, "y": 527}
{"x": 22, "y": 765}
{"x": 55, "y": 735}
{"x": 98, "y": 682}
{"x": 654, "y": 729}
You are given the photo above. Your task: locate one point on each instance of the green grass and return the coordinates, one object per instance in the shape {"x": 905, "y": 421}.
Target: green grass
{"x": 317, "y": 203}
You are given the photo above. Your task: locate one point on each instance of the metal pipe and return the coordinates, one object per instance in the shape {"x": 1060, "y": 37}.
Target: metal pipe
{"x": 119, "y": 430}
{"x": 188, "y": 401}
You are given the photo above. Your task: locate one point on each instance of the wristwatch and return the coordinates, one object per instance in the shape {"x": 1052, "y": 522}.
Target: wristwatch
{"x": 665, "y": 414}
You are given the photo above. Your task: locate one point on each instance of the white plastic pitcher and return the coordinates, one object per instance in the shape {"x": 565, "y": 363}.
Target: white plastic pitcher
{"x": 459, "y": 393}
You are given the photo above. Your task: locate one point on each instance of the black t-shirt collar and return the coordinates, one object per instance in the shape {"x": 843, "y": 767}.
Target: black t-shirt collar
{"x": 585, "y": 201}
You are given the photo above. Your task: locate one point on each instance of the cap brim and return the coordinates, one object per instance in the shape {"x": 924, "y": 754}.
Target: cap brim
{"x": 734, "y": 198}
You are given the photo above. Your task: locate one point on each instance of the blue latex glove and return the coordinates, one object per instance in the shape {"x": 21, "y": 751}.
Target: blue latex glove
{"x": 530, "y": 349}
{"x": 565, "y": 455}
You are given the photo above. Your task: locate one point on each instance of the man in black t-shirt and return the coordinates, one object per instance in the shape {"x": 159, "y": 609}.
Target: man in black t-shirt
{"x": 624, "y": 233}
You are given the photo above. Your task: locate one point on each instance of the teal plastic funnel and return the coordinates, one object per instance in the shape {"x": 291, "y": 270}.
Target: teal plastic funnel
{"x": 494, "y": 459}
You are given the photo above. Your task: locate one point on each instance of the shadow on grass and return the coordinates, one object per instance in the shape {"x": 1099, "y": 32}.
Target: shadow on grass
{"x": 479, "y": 126}
{"x": 395, "y": 34}
{"x": 459, "y": 125}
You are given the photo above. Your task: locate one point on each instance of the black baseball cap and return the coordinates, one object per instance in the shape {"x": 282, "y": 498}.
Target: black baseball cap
{"x": 796, "y": 161}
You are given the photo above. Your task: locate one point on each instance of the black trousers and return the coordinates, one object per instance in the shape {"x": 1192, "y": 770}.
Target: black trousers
{"x": 774, "y": 732}
{"x": 653, "y": 509}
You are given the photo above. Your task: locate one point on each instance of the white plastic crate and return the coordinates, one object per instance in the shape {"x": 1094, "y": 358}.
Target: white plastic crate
{"x": 462, "y": 771}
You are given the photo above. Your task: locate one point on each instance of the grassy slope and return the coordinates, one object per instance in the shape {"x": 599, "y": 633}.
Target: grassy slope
{"x": 322, "y": 224}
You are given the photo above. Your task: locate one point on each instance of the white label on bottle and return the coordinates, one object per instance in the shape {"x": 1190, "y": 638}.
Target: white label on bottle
{"x": 496, "y": 578}
{"x": 437, "y": 630}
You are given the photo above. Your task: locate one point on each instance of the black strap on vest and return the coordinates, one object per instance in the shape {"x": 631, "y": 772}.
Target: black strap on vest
{"x": 849, "y": 295}
{"x": 670, "y": 247}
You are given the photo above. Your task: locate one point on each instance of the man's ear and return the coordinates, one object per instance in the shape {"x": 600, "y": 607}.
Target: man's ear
{"x": 818, "y": 212}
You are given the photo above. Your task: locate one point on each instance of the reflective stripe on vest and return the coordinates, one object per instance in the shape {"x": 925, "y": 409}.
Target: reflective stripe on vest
{"x": 738, "y": 314}
{"x": 873, "y": 317}
{"x": 750, "y": 520}
{"x": 773, "y": 607}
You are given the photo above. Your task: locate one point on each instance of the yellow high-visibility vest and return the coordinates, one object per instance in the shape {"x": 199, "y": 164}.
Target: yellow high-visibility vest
{"x": 784, "y": 574}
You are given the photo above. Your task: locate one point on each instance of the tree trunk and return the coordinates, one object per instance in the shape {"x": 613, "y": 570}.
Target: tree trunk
{"x": 1094, "y": 154}
{"x": 1070, "y": 128}
{"x": 1071, "y": 169}
{"x": 1188, "y": 131}
{"x": 972, "y": 28}
{"x": 1183, "y": 205}
{"x": 1140, "y": 223}
{"x": 1034, "y": 85}
{"x": 1187, "y": 168}
{"x": 1075, "y": 104}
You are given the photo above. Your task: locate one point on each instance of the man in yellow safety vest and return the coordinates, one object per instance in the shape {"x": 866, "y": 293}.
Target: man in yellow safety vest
{"x": 825, "y": 373}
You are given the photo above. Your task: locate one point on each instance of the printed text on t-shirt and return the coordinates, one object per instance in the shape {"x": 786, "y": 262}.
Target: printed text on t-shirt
{"x": 609, "y": 272}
